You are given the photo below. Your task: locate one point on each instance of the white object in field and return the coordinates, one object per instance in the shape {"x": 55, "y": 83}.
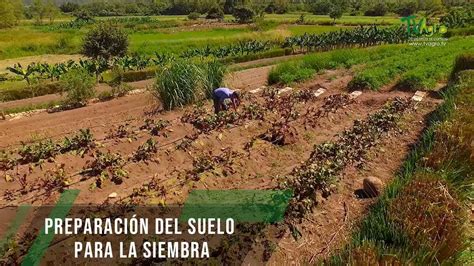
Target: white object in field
{"x": 113, "y": 195}
{"x": 24, "y": 114}
{"x": 284, "y": 90}
{"x": 257, "y": 90}
{"x": 418, "y": 96}
{"x": 319, "y": 92}
{"x": 355, "y": 94}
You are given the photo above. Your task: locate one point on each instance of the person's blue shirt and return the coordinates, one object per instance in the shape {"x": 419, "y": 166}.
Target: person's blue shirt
{"x": 223, "y": 93}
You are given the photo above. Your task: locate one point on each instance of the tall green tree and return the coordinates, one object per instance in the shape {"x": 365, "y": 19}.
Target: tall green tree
{"x": 11, "y": 11}
{"x": 104, "y": 41}
{"x": 51, "y": 11}
{"x": 37, "y": 9}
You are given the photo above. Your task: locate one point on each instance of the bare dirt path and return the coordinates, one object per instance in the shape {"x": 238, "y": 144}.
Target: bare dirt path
{"x": 104, "y": 114}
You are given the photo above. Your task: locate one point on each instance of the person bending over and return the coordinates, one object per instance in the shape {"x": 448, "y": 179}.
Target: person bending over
{"x": 220, "y": 95}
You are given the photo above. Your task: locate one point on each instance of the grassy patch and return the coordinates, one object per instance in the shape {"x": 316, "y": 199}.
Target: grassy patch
{"x": 419, "y": 67}
{"x": 184, "y": 82}
{"x": 304, "y": 68}
{"x": 31, "y": 107}
{"x": 419, "y": 218}
{"x": 20, "y": 90}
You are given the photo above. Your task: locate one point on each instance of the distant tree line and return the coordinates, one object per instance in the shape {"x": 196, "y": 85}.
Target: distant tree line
{"x": 323, "y": 7}
{"x": 41, "y": 11}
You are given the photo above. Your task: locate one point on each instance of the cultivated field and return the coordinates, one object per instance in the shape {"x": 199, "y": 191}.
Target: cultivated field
{"x": 323, "y": 108}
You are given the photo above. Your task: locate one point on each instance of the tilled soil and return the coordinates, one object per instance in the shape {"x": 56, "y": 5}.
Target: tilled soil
{"x": 259, "y": 167}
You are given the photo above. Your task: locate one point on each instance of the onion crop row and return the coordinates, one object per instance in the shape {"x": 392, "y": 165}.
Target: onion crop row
{"x": 305, "y": 68}
{"x": 420, "y": 67}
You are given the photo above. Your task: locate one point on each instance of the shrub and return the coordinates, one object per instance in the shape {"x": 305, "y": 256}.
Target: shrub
{"x": 121, "y": 90}
{"x": 335, "y": 13}
{"x": 463, "y": 62}
{"x": 194, "y": 16}
{"x": 105, "y": 96}
{"x": 215, "y": 13}
{"x": 131, "y": 76}
{"x": 12, "y": 94}
{"x": 321, "y": 7}
{"x": 407, "y": 8}
{"x": 117, "y": 76}
{"x": 69, "y": 7}
{"x": 83, "y": 15}
{"x": 458, "y": 18}
{"x": 364, "y": 81}
{"x": 459, "y": 32}
{"x": 104, "y": 41}
{"x": 78, "y": 85}
{"x": 378, "y": 9}
{"x": 244, "y": 15}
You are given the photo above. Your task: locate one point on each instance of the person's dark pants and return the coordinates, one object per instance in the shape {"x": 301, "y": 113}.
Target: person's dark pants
{"x": 217, "y": 104}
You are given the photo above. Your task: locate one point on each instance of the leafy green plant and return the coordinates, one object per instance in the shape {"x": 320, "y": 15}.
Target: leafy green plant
{"x": 25, "y": 73}
{"x": 105, "y": 41}
{"x": 361, "y": 36}
{"x": 55, "y": 178}
{"x": 106, "y": 166}
{"x": 194, "y": 16}
{"x": 244, "y": 14}
{"x": 145, "y": 151}
{"x": 7, "y": 161}
{"x": 36, "y": 152}
{"x": 82, "y": 142}
{"x": 155, "y": 127}
{"x": 457, "y": 18}
{"x": 122, "y": 131}
{"x": 79, "y": 86}
{"x": 209, "y": 122}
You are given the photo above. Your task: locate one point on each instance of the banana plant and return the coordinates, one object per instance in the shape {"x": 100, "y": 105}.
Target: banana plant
{"x": 24, "y": 73}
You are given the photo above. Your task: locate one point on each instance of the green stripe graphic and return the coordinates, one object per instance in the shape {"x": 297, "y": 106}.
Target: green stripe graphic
{"x": 253, "y": 206}
{"x": 42, "y": 242}
{"x": 19, "y": 218}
